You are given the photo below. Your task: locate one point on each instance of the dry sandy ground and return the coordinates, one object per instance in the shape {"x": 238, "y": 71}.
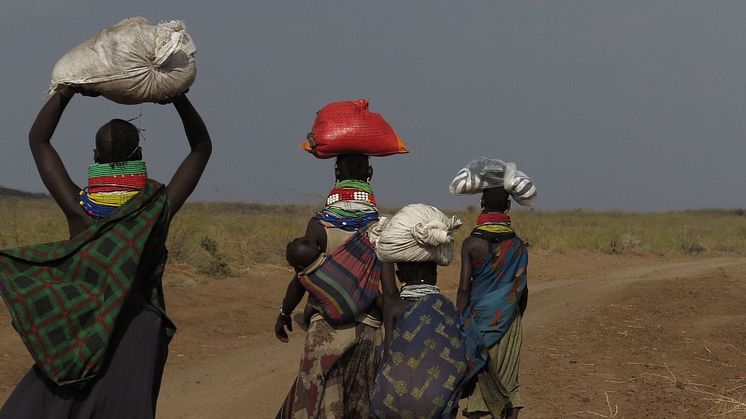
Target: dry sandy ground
{"x": 604, "y": 336}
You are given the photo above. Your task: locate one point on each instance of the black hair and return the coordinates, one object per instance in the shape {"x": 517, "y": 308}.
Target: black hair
{"x": 415, "y": 271}
{"x": 118, "y": 140}
{"x": 495, "y": 200}
{"x": 352, "y": 166}
{"x": 300, "y": 253}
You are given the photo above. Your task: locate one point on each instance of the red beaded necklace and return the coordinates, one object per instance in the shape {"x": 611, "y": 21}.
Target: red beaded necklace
{"x": 493, "y": 217}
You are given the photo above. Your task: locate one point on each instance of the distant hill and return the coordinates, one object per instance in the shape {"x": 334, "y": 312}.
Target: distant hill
{"x": 21, "y": 194}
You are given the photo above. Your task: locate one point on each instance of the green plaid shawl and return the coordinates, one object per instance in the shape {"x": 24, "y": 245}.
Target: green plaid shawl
{"x": 65, "y": 297}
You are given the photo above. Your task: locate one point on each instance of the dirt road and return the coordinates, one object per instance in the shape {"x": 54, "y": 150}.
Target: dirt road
{"x": 604, "y": 336}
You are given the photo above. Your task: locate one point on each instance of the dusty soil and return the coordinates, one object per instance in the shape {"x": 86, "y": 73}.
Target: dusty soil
{"x": 604, "y": 336}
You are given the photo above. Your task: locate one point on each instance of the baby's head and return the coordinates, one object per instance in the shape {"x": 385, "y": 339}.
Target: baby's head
{"x": 301, "y": 253}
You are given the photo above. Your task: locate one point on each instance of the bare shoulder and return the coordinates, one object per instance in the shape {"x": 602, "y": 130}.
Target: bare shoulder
{"x": 475, "y": 246}
{"x": 472, "y": 242}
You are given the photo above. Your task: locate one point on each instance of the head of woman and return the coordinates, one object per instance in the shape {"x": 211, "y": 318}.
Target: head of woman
{"x": 495, "y": 200}
{"x": 117, "y": 141}
{"x": 353, "y": 167}
{"x": 417, "y": 272}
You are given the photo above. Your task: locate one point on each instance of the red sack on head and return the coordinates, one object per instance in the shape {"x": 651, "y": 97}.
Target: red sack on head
{"x": 349, "y": 128}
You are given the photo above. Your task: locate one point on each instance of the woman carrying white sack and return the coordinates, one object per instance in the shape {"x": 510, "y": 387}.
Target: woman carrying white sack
{"x": 424, "y": 363}
{"x": 493, "y": 291}
{"x": 130, "y": 62}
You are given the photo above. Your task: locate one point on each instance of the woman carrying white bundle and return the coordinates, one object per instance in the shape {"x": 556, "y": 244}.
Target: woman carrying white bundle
{"x": 493, "y": 291}
{"x": 424, "y": 364}
{"x": 131, "y": 62}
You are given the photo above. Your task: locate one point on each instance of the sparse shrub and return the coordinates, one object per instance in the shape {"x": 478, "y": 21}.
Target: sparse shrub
{"x": 216, "y": 265}
{"x": 690, "y": 245}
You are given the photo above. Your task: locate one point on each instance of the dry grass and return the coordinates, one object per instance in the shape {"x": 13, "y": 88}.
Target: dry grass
{"x": 725, "y": 402}
{"x": 218, "y": 239}
{"x": 613, "y": 412}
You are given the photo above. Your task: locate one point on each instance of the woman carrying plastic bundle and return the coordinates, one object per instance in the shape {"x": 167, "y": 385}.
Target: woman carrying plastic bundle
{"x": 90, "y": 309}
{"x": 340, "y": 355}
{"x": 424, "y": 366}
{"x": 493, "y": 291}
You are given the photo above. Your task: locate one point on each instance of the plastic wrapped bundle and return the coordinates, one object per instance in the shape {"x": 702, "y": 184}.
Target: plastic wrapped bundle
{"x": 350, "y": 128}
{"x": 483, "y": 173}
{"x": 417, "y": 233}
{"x": 131, "y": 62}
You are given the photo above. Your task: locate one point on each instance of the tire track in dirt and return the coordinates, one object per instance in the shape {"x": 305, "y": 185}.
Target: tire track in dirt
{"x": 551, "y": 301}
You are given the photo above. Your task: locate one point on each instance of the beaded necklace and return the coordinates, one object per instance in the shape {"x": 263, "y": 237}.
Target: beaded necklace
{"x": 350, "y": 205}
{"x": 493, "y": 227}
{"x": 493, "y": 217}
{"x": 111, "y": 185}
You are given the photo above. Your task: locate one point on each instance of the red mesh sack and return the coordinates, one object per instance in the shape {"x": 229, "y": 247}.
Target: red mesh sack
{"x": 350, "y": 128}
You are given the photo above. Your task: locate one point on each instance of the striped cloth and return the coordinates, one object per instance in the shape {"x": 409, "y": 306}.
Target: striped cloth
{"x": 483, "y": 173}
{"x": 346, "y": 282}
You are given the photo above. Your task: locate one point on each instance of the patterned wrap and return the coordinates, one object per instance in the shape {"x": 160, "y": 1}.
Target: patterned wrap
{"x": 346, "y": 282}
{"x": 336, "y": 372}
{"x": 427, "y": 365}
{"x": 64, "y": 297}
{"x": 498, "y": 282}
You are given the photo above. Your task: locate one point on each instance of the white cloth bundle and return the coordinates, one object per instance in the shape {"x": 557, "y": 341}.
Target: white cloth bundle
{"x": 483, "y": 173}
{"x": 131, "y": 62}
{"x": 417, "y": 233}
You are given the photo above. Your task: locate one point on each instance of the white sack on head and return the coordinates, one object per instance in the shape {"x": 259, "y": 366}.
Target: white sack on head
{"x": 417, "y": 233}
{"x": 131, "y": 62}
{"x": 483, "y": 173}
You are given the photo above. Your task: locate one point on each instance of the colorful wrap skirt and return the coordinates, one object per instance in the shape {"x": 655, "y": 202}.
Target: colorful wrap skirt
{"x": 336, "y": 371}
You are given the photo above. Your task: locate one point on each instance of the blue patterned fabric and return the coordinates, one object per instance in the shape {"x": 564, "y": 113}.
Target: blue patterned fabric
{"x": 426, "y": 368}
{"x": 498, "y": 282}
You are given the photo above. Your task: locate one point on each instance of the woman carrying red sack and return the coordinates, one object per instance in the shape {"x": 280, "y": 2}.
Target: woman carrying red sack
{"x": 340, "y": 361}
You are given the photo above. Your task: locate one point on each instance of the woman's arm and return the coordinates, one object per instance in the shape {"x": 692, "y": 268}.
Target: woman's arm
{"x": 48, "y": 162}
{"x": 317, "y": 234}
{"x": 464, "y": 286}
{"x": 392, "y": 304}
{"x": 189, "y": 172}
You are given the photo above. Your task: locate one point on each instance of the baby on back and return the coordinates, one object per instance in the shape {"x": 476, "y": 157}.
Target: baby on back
{"x": 300, "y": 254}
{"x": 305, "y": 258}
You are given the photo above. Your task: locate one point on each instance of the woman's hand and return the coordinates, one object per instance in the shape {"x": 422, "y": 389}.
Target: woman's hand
{"x": 393, "y": 310}
{"x": 180, "y": 97}
{"x": 70, "y": 91}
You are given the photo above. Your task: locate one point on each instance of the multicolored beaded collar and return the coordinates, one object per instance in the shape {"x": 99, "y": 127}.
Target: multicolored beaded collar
{"x": 111, "y": 185}
{"x": 351, "y": 190}
{"x": 493, "y": 226}
{"x": 349, "y": 218}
